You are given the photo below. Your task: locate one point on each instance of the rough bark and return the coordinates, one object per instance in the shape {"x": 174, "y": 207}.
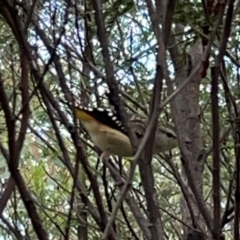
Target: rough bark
{"x": 186, "y": 112}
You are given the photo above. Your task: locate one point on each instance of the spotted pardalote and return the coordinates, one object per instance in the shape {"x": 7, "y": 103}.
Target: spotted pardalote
{"x": 108, "y": 134}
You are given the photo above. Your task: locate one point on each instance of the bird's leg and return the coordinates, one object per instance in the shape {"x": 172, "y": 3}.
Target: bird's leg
{"x": 105, "y": 156}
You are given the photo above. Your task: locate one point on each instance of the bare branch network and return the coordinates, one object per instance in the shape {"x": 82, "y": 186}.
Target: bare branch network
{"x": 119, "y": 120}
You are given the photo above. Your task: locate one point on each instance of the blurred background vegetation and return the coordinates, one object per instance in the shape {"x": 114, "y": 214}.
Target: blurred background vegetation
{"x": 49, "y": 51}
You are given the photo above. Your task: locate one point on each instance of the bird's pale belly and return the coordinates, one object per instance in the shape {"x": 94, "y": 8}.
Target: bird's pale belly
{"x": 114, "y": 142}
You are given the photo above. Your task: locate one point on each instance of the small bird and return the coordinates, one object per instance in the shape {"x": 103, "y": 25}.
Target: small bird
{"x": 108, "y": 134}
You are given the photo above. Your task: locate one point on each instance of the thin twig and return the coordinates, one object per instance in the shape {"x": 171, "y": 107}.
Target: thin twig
{"x": 216, "y": 157}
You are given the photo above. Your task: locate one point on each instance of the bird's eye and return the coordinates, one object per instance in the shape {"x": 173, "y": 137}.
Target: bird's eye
{"x": 170, "y": 135}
